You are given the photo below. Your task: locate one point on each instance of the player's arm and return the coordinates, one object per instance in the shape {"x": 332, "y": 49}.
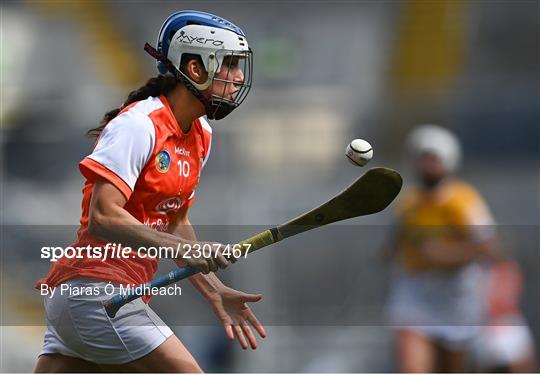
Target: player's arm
{"x": 459, "y": 253}
{"x": 109, "y": 219}
{"x": 480, "y": 237}
{"x": 228, "y": 304}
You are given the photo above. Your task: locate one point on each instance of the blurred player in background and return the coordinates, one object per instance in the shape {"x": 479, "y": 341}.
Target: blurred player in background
{"x": 140, "y": 182}
{"x": 505, "y": 343}
{"x": 443, "y": 229}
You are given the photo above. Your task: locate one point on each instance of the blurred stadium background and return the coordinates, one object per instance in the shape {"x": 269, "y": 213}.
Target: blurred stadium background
{"x": 325, "y": 72}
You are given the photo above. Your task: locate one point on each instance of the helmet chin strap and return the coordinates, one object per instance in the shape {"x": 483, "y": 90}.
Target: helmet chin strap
{"x": 213, "y": 111}
{"x": 212, "y": 68}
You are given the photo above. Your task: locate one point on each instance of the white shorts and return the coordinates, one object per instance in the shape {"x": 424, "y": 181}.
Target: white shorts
{"x": 78, "y": 326}
{"x": 450, "y": 337}
{"x": 446, "y": 306}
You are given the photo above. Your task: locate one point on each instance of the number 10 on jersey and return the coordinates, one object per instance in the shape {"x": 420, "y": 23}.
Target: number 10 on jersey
{"x": 183, "y": 167}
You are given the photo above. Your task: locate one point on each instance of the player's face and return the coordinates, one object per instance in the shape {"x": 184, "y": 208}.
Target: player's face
{"x": 232, "y": 72}
{"x": 429, "y": 169}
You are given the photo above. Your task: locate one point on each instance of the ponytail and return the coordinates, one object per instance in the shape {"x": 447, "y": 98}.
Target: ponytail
{"x": 160, "y": 85}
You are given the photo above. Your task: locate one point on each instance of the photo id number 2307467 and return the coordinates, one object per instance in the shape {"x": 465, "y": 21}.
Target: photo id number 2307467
{"x": 207, "y": 250}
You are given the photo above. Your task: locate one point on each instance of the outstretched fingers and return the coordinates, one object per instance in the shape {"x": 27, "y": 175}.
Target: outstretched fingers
{"x": 227, "y": 325}
{"x": 255, "y": 323}
{"x": 246, "y": 297}
{"x": 240, "y": 336}
{"x": 240, "y": 331}
{"x": 249, "y": 334}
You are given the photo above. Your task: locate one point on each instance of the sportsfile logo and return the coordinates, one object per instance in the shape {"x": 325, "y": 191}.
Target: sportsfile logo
{"x": 118, "y": 251}
{"x": 189, "y": 39}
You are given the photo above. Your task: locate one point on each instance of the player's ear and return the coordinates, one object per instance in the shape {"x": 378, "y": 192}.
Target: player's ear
{"x": 196, "y": 71}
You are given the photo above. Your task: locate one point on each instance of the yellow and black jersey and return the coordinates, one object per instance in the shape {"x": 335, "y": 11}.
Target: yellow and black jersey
{"x": 454, "y": 211}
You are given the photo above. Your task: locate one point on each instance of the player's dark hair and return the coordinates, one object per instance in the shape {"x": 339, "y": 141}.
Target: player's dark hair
{"x": 156, "y": 86}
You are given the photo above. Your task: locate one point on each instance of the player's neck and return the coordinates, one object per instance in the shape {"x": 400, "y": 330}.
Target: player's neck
{"x": 185, "y": 107}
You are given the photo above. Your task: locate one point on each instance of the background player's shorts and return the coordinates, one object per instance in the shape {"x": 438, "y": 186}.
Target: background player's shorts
{"x": 78, "y": 326}
{"x": 446, "y": 306}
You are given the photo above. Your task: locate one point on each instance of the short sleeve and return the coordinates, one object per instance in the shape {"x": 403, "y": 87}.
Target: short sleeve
{"x": 122, "y": 150}
{"x": 476, "y": 215}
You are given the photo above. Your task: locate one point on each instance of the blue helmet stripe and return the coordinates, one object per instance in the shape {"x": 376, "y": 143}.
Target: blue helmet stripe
{"x": 187, "y": 17}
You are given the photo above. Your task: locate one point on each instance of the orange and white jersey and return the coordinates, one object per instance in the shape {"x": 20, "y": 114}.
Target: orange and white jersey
{"x": 144, "y": 153}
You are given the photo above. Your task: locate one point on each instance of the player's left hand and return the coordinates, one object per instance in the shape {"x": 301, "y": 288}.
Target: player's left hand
{"x": 230, "y": 307}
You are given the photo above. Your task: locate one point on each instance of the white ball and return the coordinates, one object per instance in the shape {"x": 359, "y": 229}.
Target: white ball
{"x": 359, "y": 152}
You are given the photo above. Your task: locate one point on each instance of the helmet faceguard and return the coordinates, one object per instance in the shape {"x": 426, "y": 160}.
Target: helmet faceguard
{"x": 218, "y": 43}
{"x": 220, "y": 106}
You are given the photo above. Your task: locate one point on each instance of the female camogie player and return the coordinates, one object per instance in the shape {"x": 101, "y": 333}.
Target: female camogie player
{"x": 140, "y": 182}
{"x": 443, "y": 229}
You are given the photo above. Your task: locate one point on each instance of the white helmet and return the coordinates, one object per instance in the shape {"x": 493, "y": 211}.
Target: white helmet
{"x": 436, "y": 140}
{"x": 212, "y": 39}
